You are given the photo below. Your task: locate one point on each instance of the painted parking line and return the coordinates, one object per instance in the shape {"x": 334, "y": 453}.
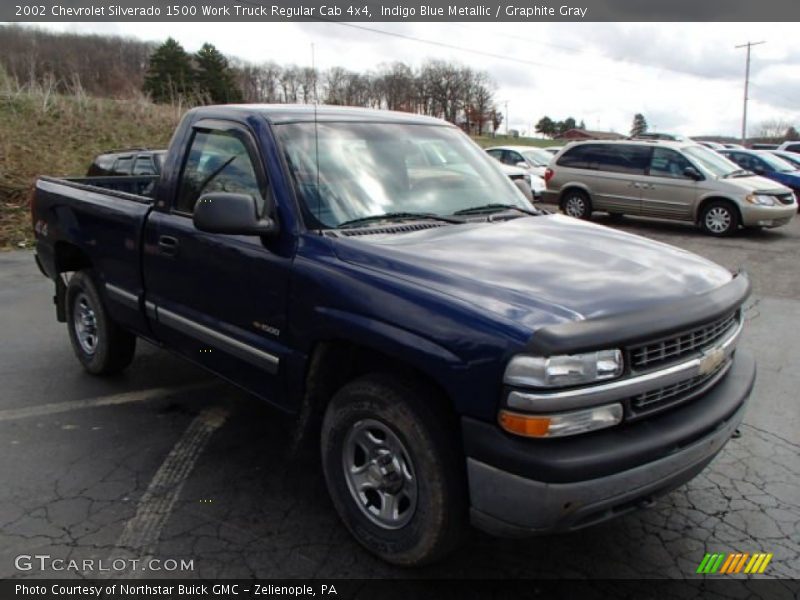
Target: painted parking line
{"x": 141, "y": 533}
{"x": 12, "y": 414}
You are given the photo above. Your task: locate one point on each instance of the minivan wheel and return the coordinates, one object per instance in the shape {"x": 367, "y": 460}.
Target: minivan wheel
{"x": 576, "y": 203}
{"x": 101, "y": 345}
{"x": 719, "y": 218}
{"x": 393, "y": 469}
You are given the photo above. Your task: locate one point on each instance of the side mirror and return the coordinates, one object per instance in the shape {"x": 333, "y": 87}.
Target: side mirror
{"x": 236, "y": 214}
{"x": 524, "y": 187}
{"x": 522, "y": 164}
{"x": 692, "y": 173}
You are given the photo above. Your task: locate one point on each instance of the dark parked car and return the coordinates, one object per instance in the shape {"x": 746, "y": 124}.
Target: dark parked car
{"x": 452, "y": 353}
{"x": 132, "y": 161}
{"x": 766, "y": 164}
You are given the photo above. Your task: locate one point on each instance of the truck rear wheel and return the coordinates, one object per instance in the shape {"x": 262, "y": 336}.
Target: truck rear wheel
{"x": 394, "y": 470}
{"x": 101, "y": 345}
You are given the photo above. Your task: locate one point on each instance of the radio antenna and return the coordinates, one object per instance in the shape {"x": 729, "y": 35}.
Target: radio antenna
{"x": 316, "y": 138}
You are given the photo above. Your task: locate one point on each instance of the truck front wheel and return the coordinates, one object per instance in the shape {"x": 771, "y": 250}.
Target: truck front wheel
{"x": 101, "y": 345}
{"x": 394, "y": 469}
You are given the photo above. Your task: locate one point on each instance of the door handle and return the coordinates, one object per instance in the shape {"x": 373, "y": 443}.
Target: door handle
{"x": 168, "y": 245}
{"x": 635, "y": 184}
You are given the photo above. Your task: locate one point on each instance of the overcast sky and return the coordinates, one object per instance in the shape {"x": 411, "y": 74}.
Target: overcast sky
{"x": 684, "y": 77}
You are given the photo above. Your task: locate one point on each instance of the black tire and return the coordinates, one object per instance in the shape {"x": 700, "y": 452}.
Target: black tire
{"x": 432, "y": 525}
{"x": 110, "y": 348}
{"x": 576, "y": 203}
{"x": 719, "y": 218}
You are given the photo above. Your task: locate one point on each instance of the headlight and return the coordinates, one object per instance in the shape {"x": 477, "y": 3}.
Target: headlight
{"x": 762, "y": 200}
{"x": 565, "y": 370}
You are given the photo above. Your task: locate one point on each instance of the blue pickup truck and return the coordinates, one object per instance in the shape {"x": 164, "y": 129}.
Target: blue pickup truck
{"x": 455, "y": 354}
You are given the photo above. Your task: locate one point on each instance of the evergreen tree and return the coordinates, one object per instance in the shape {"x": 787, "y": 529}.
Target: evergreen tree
{"x": 639, "y": 125}
{"x": 214, "y": 76}
{"x": 791, "y": 134}
{"x": 546, "y": 126}
{"x": 169, "y": 73}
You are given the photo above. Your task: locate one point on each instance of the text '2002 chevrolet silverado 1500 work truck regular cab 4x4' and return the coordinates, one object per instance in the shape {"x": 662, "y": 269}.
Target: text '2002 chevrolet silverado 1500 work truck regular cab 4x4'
{"x": 456, "y": 354}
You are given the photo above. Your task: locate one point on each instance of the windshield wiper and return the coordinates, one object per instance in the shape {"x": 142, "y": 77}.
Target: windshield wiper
{"x": 738, "y": 173}
{"x": 397, "y": 216}
{"x": 492, "y": 208}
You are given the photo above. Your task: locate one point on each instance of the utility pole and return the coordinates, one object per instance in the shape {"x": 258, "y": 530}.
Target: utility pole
{"x": 748, "y": 45}
{"x": 506, "y": 102}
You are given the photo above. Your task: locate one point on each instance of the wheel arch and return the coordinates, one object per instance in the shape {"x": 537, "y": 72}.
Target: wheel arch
{"x": 701, "y": 206}
{"x": 335, "y": 362}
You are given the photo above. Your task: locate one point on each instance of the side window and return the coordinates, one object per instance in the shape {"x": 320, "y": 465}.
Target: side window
{"x": 762, "y": 164}
{"x": 793, "y": 147}
{"x": 668, "y": 163}
{"x": 496, "y": 154}
{"x": 144, "y": 166}
{"x": 218, "y": 161}
{"x": 743, "y": 160}
{"x": 123, "y": 165}
{"x": 579, "y": 157}
{"x": 620, "y": 158}
{"x": 514, "y": 158}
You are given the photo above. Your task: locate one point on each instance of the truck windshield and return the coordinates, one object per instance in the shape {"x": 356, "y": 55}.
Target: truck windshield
{"x": 371, "y": 169}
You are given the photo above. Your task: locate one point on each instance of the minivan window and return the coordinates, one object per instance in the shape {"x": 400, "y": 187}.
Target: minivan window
{"x": 710, "y": 160}
{"x": 579, "y": 157}
{"x": 665, "y": 162}
{"x": 629, "y": 159}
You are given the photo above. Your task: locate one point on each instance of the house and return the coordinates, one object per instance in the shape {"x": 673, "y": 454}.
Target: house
{"x": 585, "y": 134}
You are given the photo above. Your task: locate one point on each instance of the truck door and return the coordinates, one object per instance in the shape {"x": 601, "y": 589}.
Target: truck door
{"x": 218, "y": 299}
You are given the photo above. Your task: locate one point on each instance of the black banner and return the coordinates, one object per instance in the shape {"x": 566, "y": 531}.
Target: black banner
{"x": 400, "y": 10}
{"x": 386, "y": 589}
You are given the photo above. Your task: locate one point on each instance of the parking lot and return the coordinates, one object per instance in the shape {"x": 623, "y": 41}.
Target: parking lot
{"x": 166, "y": 461}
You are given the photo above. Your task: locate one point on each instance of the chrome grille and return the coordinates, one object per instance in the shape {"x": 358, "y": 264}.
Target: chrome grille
{"x": 668, "y": 349}
{"x": 671, "y": 395}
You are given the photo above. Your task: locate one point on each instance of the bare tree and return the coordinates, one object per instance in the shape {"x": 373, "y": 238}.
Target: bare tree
{"x": 774, "y": 129}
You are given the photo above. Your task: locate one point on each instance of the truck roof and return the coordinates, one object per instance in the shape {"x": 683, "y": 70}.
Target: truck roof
{"x": 294, "y": 113}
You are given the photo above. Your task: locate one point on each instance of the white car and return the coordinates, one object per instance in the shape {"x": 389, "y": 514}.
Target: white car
{"x": 789, "y": 147}
{"x": 532, "y": 159}
{"x": 537, "y": 184}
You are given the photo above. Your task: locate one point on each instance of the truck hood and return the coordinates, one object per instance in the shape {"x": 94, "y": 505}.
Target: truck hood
{"x": 538, "y": 271}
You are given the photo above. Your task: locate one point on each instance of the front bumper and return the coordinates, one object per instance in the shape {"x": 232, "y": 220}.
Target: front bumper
{"x": 524, "y": 487}
{"x": 768, "y": 216}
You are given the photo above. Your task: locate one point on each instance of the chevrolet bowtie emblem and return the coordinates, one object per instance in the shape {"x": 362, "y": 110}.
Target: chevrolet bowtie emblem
{"x": 711, "y": 360}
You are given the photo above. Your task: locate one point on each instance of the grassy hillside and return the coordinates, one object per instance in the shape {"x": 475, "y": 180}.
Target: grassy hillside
{"x": 48, "y": 134}
{"x": 505, "y": 140}
{"x": 42, "y": 133}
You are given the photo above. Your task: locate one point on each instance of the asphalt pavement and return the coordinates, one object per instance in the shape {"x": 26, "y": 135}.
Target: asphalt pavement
{"x": 165, "y": 461}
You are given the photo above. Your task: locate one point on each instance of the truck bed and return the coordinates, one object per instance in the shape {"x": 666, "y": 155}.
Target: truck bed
{"x": 99, "y": 220}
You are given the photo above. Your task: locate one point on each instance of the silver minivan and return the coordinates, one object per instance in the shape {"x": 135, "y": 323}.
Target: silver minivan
{"x": 668, "y": 180}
